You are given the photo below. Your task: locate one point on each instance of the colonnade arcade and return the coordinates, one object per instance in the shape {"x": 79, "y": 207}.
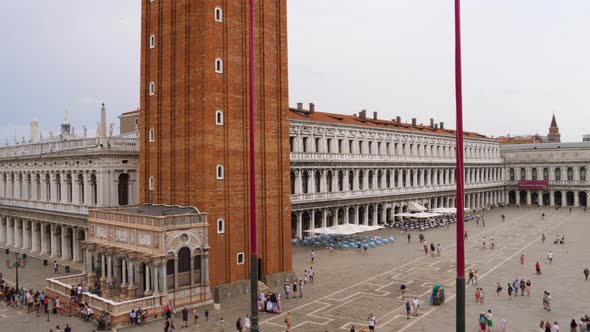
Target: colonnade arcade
{"x": 58, "y": 241}
{"x": 316, "y": 180}
{"x": 303, "y": 220}
{"x": 124, "y": 274}
{"x": 565, "y": 197}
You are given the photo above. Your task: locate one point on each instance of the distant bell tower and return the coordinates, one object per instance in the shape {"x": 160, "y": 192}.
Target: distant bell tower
{"x": 194, "y": 124}
{"x": 554, "y": 135}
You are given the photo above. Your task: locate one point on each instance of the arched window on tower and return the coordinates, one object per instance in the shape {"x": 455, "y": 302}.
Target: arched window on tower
{"x": 152, "y": 89}
{"x": 123, "y": 189}
{"x": 218, "y": 15}
{"x": 219, "y": 172}
{"x": 152, "y": 41}
{"x": 220, "y": 226}
{"x": 218, "y": 66}
{"x": 219, "y": 118}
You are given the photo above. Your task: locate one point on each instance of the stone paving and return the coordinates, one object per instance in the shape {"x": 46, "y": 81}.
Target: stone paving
{"x": 348, "y": 286}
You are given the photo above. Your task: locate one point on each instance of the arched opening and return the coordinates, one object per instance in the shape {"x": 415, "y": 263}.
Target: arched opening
{"x": 329, "y": 181}
{"x": 292, "y": 176}
{"x": 371, "y": 215}
{"x": 546, "y": 198}
{"x": 184, "y": 267}
{"x": 583, "y": 198}
{"x": 47, "y": 187}
{"x": 306, "y": 220}
{"x": 340, "y": 181}
{"x": 569, "y": 198}
{"x": 351, "y": 216}
{"x": 38, "y": 186}
{"x": 370, "y": 179}
{"x": 522, "y": 197}
{"x": 350, "y": 180}
{"x": 317, "y": 181}
{"x": 57, "y": 187}
{"x": 340, "y": 216}
{"x": 379, "y": 179}
{"x": 396, "y": 213}
{"x": 558, "y": 198}
{"x": 380, "y": 214}
{"x": 361, "y": 215}
{"x": 94, "y": 189}
{"x": 534, "y": 198}
{"x": 293, "y": 225}
{"x": 361, "y": 179}
{"x": 512, "y": 198}
{"x": 388, "y": 179}
{"x": 123, "y": 189}
{"x": 317, "y": 219}
{"x": 305, "y": 182}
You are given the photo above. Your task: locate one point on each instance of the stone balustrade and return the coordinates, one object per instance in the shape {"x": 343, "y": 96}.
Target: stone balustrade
{"x": 100, "y": 143}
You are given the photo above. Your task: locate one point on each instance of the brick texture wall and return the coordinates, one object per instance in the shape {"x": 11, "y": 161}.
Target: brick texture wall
{"x": 188, "y": 144}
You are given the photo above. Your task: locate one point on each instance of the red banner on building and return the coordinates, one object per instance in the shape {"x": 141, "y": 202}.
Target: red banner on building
{"x": 533, "y": 184}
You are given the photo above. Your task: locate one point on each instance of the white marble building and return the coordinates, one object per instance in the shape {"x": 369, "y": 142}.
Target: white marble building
{"x": 365, "y": 170}
{"x": 563, "y": 165}
{"x": 47, "y": 187}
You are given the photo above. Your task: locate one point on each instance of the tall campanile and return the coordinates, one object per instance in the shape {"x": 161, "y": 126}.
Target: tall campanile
{"x": 194, "y": 124}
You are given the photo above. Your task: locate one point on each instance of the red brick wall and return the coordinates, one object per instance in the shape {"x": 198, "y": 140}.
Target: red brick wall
{"x": 188, "y": 144}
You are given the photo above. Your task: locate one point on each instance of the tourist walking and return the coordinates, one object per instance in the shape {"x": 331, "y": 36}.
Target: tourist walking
{"x": 311, "y": 275}
{"x": 438, "y": 250}
{"x": 408, "y": 309}
{"x": 489, "y": 319}
{"x": 287, "y": 289}
{"x": 528, "y": 287}
{"x": 475, "y": 277}
{"x": 522, "y": 260}
{"x": 305, "y": 274}
{"x": 503, "y": 324}
{"x": 372, "y": 322}
{"x": 482, "y": 296}
{"x": 543, "y": 238}
{"x": 516, "y": 285}
{"x": 477, "y": 295}
{"x": 432, "y": 249}
{"x": 498, "y": 289}
{"x": 247, "y": 323}
{"x": 555, "y": 327}
{"x": 538, "y": 268}
{"x": 312, "y": 256}
{"x": 484, "y": 242}
{"x": 416, "y": 305}
{"x": 510, "y": 289}
{"x": 239, "y": 326}
{"x": 221, "y": 324}
{"x": 55, "y": 267}
{"x": 166, "y": 325}
{"x": 295, "y": 288}
{"x": 288, "y": 321}
{"x": 482, "y": 322}
{"x": 550, "y": 257}
{"x": 300, "y": 288}
{"x": 206, "y": 315}
{"x": 586, "y": 273}
{"x": 184, "y": 317}
{"x": 409, "y": 237}
{"x": 522, "y": 287}
{"x": 574, "y": 326}
{"x": 470, "y": 274}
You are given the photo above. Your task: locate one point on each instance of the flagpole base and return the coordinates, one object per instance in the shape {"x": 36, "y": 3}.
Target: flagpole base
{"x": 460, "y": 321}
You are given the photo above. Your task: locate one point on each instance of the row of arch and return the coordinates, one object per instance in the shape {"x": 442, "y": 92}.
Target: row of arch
{"x": 67, "y": 187}
{"x": 305, "y": 181}
{"x": 548, "y": 173}
{"x": 548, "y": 198}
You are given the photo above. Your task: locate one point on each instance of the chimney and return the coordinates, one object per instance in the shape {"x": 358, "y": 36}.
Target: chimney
{"x": 436, "y": 126}
{"x": 413, "y": 121}
{"x": 431, "y": 123}
{"x": 311, "y": 107}
{"x": 398, "y": 119}
{"x": 442, "y": 125}
{"x": 374, "y": 115}
{"x": 300, "y": 106}
{"x": 354, "y": 115}
{"x": 363, "y": 115}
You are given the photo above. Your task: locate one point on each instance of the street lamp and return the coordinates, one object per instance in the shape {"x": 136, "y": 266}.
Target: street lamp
{"x": 18, "y": 263}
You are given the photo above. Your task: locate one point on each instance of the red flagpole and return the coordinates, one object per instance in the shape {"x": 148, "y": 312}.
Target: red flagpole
{"x": 252, "y": 155}
{"x": 460, "y": 310}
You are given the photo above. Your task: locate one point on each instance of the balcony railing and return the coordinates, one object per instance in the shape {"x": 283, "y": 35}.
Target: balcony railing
{"x": 309, "y": 156}
{"x": 121, "y": 217}
{"x": 302, "y": 198}
{"x": 49, "y": 206}
{"x": 98, "y": 143}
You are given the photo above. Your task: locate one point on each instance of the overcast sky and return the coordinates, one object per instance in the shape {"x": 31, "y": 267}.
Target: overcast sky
{"x": 523, "y": 60}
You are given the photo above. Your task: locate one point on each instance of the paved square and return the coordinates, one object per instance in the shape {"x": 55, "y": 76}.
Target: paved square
{"x": 348, "y": 286}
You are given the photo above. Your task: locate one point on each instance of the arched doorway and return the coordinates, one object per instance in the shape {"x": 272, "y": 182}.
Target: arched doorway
{"x": 123, "y": 189}
{"x": 361, "y": 215}
{"x": 583, "y": 198}
{"x": 546, "y": 199}
{"x": 317, "y": 219}
{"x": 558, "y": 198}
{"x": 184, "y": 267}
{"x": 534, "y": 198}
{"x": 569, "y": 198}
{"x": 340, "y": 217}
{"x": 522, "y": 197}
{"x": 351, "y": 215}
{"x": 512, "y": 198}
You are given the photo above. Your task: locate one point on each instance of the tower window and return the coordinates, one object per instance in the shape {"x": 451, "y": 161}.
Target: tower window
{"x": 219, "y": 172}
{"x": 152, "y": 41}
{"x": 220, "y": 226}
{"x": 151, "y": 135}
{"x": 218, "y": 66}
{"x": 151, "y": 183}
{"x": 219, "y": 118}
{"x": 240, "y": 257}
{"x": 218, "y": 15}
{"x": 152, "y": 88}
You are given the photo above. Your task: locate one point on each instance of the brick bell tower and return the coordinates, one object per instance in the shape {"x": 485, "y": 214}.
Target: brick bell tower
{"x": 554, "y": 136}
{"x": 194, "y": 124}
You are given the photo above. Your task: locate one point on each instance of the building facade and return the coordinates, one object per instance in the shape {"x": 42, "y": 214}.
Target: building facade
{"x": 47, "y": 188}
{"x": 361, "y": 170}
{"x": 550, "y": 174}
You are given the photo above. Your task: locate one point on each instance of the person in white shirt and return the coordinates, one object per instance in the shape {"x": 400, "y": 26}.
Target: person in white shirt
{"x": 372, "y": 323}
{"x": 416, "y": 305}
{"x": 247, "y": 323}
{"x": 555, "y": 327}
{"x": 550, "y": 257}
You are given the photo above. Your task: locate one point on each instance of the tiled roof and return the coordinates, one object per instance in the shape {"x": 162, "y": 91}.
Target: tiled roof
{"x": 520, "y": 140}
{"x": 305, "y": 115}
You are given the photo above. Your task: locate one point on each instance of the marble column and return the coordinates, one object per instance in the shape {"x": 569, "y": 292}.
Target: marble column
{"x": 552, "y": 198}
{"x": 576, "y": 198}
{"x": 65, "y": 252}
{"x": 42, "y": 240}
{"x": 2, "y": 230}
{"x": 164, "y": 279}
{"x": 148, "y": 290}
{"x": 109, "y": 269}
{"x": 75, "y": 245}
{"x": 176, "y": 272}
{"x": 540, "y": 198}
{"x": 103, "y": 276}
{"x": 324, "y": 218}
{"x": 299, "y": 225}
{"x": 155, "y": 277}
{"x": 123, "y": 273}
{"x": 16, "y": 233}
